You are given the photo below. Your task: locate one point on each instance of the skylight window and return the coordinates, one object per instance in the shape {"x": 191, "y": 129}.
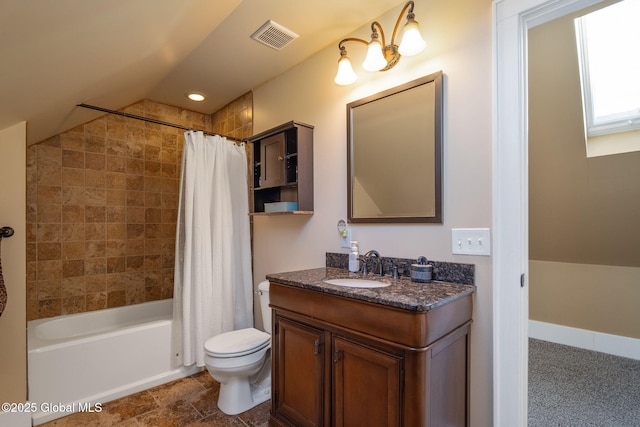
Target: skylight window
{"x": 610, "y": 68}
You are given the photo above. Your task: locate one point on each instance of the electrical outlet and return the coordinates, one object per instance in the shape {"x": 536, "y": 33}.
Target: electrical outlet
{"x": 471, "y": 241}
{"x": 345, "y": 241}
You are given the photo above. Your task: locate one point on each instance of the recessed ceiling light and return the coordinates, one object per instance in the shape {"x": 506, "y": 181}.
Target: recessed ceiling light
{"x": 195, "y": 96}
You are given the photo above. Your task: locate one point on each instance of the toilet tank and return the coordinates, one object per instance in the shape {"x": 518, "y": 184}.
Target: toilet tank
{"x": 263, "y": 291}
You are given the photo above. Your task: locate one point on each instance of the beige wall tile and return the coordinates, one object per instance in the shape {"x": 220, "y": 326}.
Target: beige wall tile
{"x": 95, "y": 179}
{"x": 72, "y": 177}
{"x": 49, "y": 251}
{"x": 73, "y": 268}
{"x": 49, "y": 308}
{"x": 73, "y": 286}
{"x": 102, "y": 204}
{"x": 73, "y": 250}
{"x": 95, "y": 161}
{"x": 95, "y": 231}
{"x": 117, "y": 247}
{"x": 96, "y": 301}
{"x": 94, "y": 144}
{"x": 73, "y": 231}
{"x": 72, "y": 140}
{"x": 116, "y": 298}
{"x": 74, "y": 304}
{"x": 49, "y": 289}
{"x": 47, "y": 194}
{"x": 116, "y": 164}
{"x": 49, "y": 232}
{"x": 116, "y": 213}
{"x": 71, "y": 159}
{"x": 95, "y": 214}
{"x": 48, "y": 175}
{"x": 153, "y": 184}
{"x": 49, "y": 270}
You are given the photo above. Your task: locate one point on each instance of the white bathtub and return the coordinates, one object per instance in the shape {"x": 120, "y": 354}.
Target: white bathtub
{"x": 95, "y": 357}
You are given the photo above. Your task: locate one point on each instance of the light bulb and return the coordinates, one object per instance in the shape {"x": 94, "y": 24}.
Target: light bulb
{"x": 375, "y": 59}
{"x": 195, "y": 96}
{"x": 345, "y": 74}
{"x": 412, "y": 42}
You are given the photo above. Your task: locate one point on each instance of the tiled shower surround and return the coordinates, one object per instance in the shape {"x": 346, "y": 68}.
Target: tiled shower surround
{"x": 102, "y": 206}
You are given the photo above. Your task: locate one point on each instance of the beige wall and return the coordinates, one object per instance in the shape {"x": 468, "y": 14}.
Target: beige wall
{"x": 458, "y": 34}
{"x": 599, "y": 298}
{"x": 583, "y": 211}
{"x": 103, "y": 200}
{"x": 13, "y": 357}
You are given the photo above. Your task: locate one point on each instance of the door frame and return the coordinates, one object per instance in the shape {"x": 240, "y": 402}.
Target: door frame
{"x": 511, "y": 21}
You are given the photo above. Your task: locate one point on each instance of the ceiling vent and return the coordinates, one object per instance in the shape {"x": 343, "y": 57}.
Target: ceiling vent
{"x": 274, "y": 35}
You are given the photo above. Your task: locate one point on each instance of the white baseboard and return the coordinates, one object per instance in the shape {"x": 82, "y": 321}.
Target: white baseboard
{"x": 15, "y": 419}
{"x": 582, "y": 338}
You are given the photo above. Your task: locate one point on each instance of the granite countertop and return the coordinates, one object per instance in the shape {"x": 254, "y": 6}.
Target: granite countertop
{"x": 402, "y": 293}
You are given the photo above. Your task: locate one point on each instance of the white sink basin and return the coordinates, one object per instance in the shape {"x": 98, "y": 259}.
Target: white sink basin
{"x": 357, "y": 283}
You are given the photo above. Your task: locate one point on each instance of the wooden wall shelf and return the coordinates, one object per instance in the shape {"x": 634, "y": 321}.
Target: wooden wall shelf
{"x": 283, "y": 168}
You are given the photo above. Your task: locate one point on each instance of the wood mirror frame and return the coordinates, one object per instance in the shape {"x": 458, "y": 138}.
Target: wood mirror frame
{"x": 394, "y": 154}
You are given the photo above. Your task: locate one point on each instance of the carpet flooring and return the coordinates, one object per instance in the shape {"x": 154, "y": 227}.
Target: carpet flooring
{"x": 569, "y": 386}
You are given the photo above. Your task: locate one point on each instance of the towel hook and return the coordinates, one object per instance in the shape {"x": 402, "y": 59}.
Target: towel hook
{"x": 6, "y": 232}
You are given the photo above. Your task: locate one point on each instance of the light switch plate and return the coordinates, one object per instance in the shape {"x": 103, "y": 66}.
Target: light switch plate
{"x": 471, "y": 241}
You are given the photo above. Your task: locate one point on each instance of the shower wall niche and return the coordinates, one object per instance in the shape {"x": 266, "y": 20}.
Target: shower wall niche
{"x": 102, "y": 202}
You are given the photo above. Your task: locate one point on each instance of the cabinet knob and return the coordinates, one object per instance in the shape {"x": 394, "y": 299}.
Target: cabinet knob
{"x": 280, "y": 158}
{"x": 316, "y": 348}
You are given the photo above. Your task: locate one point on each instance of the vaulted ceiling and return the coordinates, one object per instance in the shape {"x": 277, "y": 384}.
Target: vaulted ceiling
{"x": 56, "y": 54}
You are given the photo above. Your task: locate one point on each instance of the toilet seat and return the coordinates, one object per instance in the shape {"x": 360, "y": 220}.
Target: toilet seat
{"x": 237, "y": 343}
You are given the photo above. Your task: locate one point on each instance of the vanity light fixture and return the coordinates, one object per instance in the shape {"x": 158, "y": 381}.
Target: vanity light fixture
{"x": 195, "y": 96}
{"x": 380, "y": 56}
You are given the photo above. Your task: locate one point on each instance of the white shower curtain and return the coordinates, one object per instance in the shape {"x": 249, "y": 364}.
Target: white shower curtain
{"x": 212, "y": 283}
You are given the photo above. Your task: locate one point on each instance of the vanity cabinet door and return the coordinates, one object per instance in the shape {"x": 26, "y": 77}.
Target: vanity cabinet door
{"x": 366, "y": 385}
{"x": 299, "y": 364}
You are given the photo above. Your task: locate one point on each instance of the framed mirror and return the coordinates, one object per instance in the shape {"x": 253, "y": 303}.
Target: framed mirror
{"x": 394, "y": 154}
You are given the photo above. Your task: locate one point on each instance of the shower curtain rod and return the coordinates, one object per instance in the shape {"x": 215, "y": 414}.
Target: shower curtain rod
{"x": 158, "y": 122}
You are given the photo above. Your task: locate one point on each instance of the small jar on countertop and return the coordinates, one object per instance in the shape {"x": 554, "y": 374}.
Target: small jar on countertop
{"x": 421, "y": 272}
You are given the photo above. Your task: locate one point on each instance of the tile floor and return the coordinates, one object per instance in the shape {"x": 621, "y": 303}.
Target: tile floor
{"x": 187, "y": 402}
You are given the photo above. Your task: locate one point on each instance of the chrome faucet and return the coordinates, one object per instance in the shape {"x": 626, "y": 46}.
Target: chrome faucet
{"x": 376, "y": 255}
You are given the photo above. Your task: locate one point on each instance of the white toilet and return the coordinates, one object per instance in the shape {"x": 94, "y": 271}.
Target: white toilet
{"x": 241, "y": 362}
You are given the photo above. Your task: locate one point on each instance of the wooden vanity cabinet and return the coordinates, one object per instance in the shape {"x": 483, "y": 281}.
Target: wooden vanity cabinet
{"x": 338, "y": 361}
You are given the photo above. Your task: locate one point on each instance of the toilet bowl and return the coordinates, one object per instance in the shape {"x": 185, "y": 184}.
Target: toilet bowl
{"x": 241, "y": 362}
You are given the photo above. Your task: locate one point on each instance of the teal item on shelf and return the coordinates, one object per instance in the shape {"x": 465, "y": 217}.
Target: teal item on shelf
{"x": 281, "y": 207}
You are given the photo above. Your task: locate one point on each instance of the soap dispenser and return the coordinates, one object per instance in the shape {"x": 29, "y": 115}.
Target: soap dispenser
{"x": 354, "y": 264}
